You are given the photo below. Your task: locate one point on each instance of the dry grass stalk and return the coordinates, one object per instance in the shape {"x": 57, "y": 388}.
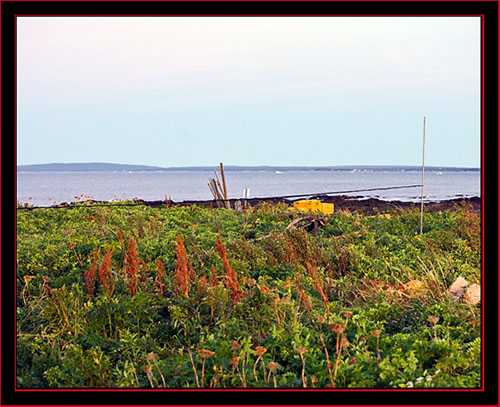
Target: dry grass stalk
{"x": 181, "y": 270}
{"x": 275, "y": 304}
{"x": 344, "y": 343}
{"x": 433, "y": 281}
{"x": 120, "y": 238}
{"x": 234, "y": 362}
{"x": 301, "y": 350}
{"x": 149, "y": 373}
{"x": 204, "y": 354}
{"x": 105, "y": 273}
{"x": 272, "y": 366}
{"x": 434, "y": 320}
{"x": 90, "y": 275}
{"x": 303, "y": 297}
{"x": 77, "y": 256}
{"x": 159, "y": 276}
{"x": 346, "y": 315}
{"x": 317, "y": 284}
{"x": 122, "y": 244}
{"x": 243, "y": 371}
{"x": 202, "y": 286}
{"x": 280, "y": 309}
{"x": 131, "y": 266}
{"x": 328, "y": 363}
{"x": 45, "y": 287}
{"x": 152, "y": 357}
{"x": 291, "y": 254}
{"x": 376, "y": 333}
{"x": 27, "y": 279}
{"x": 231, "y": 278}
{"x": 340, "y": 346}
{"x": 191, "y": 273}
{"x": 259, "y": 350}
{"x": 339, "y": 329}
{"x": 194, "y": 368}
{"x": 214, "y": 280}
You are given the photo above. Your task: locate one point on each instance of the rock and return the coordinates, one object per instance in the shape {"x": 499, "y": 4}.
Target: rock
{"x": 458, "y": 287}
{"x": 238, "y": 206}
{"x": 472, "y": 294}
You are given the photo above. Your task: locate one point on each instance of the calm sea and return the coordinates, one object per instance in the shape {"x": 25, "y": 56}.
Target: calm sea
{"x": 48, "y": 188}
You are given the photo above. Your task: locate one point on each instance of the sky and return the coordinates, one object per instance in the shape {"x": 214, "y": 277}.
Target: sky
{"x": 283, "y": 91}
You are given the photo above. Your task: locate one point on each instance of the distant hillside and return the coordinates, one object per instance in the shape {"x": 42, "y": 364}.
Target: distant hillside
{"x": 87, "y": 167}
{"x": 126, "y": 167}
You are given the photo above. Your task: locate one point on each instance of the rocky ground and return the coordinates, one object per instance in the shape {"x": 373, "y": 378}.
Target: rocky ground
{"x": 367, "y": 206}
{"x": 342, "y": 202}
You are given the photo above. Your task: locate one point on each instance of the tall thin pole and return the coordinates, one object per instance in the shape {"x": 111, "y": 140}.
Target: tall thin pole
{"x": 422, "y": 199}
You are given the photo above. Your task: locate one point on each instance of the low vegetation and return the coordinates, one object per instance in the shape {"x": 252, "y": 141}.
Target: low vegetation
{"x": 194, "y": 297}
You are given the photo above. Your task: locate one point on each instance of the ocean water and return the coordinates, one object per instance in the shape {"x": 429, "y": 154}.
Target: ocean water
{"x": 48, "y": 188}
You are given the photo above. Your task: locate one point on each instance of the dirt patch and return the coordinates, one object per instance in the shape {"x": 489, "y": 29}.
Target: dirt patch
{"x": 368, "y": 206}
{"x": 372, "y": 205}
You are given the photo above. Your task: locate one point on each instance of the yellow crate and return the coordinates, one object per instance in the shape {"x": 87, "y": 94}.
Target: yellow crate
{"x": 306, "y": 205}
{"x": 327, "y": 208}
{"x": 313, "y": 205}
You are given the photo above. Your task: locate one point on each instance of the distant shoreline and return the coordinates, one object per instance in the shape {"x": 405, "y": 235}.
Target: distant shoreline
{"x": 368, "y": 206}
{"x": 109, "y": 167}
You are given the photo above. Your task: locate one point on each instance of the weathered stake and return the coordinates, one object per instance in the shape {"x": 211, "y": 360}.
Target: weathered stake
{"x": 220, "y": 189}
{"x": 214, "y": 192}
{"x": 228, "y": 204}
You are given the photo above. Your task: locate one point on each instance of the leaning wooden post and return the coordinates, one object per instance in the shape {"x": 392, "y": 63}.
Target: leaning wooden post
{"x": 228, "y": 205}
{"x": 219, "y": 184}
{"x": 422, "y": 198}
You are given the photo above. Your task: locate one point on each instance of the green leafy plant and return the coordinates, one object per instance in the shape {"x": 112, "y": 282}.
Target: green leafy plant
{"x": 188, "y": 297}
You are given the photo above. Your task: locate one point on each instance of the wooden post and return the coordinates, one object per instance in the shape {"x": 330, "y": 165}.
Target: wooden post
{"x": 422, "y": 199}
{"x": 246, "y": 194}
{"x": 217, "y": 181}
{"x": 228, "y": 205}
{"x": 215, "y": 192}
{"x": 218, "y": 190}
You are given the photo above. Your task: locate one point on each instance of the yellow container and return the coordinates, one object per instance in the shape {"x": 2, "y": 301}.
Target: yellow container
{"x": 307, "y": 205}
{"x": 327, "y": 208}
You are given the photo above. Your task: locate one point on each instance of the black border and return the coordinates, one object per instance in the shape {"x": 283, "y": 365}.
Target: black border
{"x": 303, "y": 397}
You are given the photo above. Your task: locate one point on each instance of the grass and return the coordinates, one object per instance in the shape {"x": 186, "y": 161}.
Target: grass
{"x": 114, "y": 297}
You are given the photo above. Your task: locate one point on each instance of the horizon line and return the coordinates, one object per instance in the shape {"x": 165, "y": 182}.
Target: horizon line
{"x": 248, "y": 166}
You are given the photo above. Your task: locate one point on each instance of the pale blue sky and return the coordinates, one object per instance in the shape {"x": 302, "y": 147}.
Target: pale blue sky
{"x": 188, "y": 91}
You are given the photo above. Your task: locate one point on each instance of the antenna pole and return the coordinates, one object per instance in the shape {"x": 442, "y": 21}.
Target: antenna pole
{"x": 422, "y": 198}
